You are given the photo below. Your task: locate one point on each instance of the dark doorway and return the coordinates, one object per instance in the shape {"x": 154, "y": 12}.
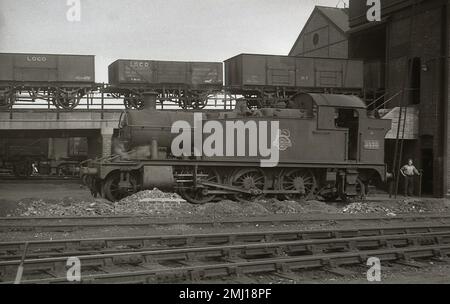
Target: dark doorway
{"x": 349, "y": 118}
{"x": 427, "y": 169}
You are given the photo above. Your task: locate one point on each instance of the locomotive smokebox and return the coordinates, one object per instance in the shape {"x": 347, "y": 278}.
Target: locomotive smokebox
{"x": 143, "y": 127}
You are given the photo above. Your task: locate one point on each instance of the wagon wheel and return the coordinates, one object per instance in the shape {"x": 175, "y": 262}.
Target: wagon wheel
{"x": 182, "y": 103}
{"x": 7, "y": 99}
{"x": 198, "y": 196}
{"x": 199, "y": 101}
{"x": 66, "y": 100}
{"x": 111, "y": 190}
{"x": 253, "y": 102}
{"x": 300, "y": 180}
{"x": 193, "y": 101}
{"x": 132, "y": 101}
{"x": 249, "y": 179}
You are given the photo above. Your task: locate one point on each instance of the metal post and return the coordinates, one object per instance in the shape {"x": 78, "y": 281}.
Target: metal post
{"x": 195, "y": 176}
{"x": 420, "y": 182}
{"x": 103, "y": 105}
{"x": 402, "y": 140}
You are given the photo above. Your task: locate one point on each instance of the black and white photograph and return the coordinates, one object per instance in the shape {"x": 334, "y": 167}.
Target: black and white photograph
{"x": 224, "y": 148}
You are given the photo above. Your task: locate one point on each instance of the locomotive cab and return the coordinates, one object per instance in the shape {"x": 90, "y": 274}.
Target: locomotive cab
{"x": 325, "y": 144}
{"x": 364, "y": 135}
{"x": 349, "y": 119}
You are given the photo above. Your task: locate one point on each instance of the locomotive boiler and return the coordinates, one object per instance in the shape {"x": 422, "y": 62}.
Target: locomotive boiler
{"x": 317, "y": 145}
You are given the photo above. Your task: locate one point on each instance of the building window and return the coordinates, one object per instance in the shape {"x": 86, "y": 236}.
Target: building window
{"x": 316, "y": 39}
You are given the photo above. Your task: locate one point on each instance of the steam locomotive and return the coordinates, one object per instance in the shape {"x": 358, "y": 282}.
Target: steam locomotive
{"x": 322, "y": 144}
{"x": 298, "y": 129}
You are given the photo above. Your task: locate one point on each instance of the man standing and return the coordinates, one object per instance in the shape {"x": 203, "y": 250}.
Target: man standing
{"x": 408, "y": 171}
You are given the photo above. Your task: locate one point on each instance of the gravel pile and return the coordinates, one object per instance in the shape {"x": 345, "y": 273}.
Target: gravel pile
{"x": 288, "y": 207}
{"x": 230, "y": 208}
{"x": 64, "y": 208}
{"x": 356, "y": 208}
{"x": 393, "y": 208}
{"x": 158, "y": 203}
{"x": 152, "y": 195}
{"x": 154, "y": 202}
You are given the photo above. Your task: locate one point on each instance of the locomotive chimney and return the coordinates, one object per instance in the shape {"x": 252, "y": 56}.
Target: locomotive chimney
{"x": 154, "y": 147}
{"x": 150, "y": 100}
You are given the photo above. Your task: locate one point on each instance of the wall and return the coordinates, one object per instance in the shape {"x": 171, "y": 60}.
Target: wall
{"x": 426, "y": 47}
{"x": 320, "y": 38}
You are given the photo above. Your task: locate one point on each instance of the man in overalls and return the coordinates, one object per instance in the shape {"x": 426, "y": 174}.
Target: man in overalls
{"x": 409, "y": 171}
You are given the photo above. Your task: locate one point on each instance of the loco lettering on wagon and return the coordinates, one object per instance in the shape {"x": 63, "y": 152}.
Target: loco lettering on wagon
{"x": 32, "y": 58}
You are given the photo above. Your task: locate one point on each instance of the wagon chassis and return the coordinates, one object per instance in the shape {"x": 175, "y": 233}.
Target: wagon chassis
{"x": 64, "y": 96}
{"x": 67, "y": 96}
{"x": 270, "y": 96}
{"x": 185, "y": 96}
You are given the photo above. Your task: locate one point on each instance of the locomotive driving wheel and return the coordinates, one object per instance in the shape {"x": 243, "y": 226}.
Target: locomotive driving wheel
{"x": 112, "y": 191}
{"x": 249, "y": 179}
{"x": 300, "y": 180}
{"x": 198, "y": 195}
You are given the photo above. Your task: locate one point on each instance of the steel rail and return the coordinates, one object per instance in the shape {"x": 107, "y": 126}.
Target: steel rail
{"x": 317, "y": 253}
{"x": 74, "y": 223}
{"x": 74, "y": 247}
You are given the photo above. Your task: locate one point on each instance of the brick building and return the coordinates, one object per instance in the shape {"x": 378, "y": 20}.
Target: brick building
{"x": 409, "y": 51}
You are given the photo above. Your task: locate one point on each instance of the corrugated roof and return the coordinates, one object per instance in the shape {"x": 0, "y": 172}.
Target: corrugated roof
{"x": 334, "y": 100}
{"x": 338, "y": 16}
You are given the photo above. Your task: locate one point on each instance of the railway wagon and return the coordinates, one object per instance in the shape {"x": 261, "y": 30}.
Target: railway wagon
{"x": 324, "y": 144}
{"x": 267, "y": 79}
{"x": 185, "y": 83}
{"x": 62, "y": 79}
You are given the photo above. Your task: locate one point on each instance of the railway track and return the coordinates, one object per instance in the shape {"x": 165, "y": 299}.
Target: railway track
{"x": 75, "y": 247}
{"x": 206, "y": 262}
{"x": 38, "y": 179}
{"x": 77, "y": 223}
